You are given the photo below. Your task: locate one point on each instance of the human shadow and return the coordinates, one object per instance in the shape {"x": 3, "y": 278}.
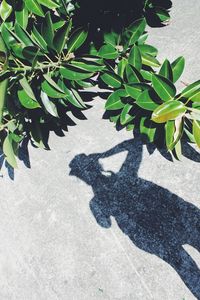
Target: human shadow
{"x": 156, "y": 220}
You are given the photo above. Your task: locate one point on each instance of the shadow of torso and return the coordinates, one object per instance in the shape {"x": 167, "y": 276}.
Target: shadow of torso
{"x": 152, "y": 217}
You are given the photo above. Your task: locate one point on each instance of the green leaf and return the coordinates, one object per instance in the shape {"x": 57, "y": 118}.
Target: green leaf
{"x": 73, "y": 73}
{"x": 121, "y": 67}
{"x": 3, "y": 95}
{"x": 134, "y": 90}
{"x": 108, "y": 52}
{"x": 50, "y": 91}
{"x": 78, "y": 97}
{"x": 135, "y": 58}
{"x": 73, "y": 100}
{"x": 22, "y": 17}
{"x": 34, "y": 7}
{"x": 77, "y": 39}
{"x": 191, "y": 90}
{"x": 146, "y": 100}
{"x": 149, "y": 60}
{"x": 173, "y": 132}
{"x": 114, "y": 100}
{"x": 168, "y": 111}
{"x": 49, "y": 105}
{"x": 5, "y": 10}
{"x": 12, "y": 126}
{"x": 196, "y": 105}
{"x": 169, "y": 134}
{"x": 179, "y": 129}
{"x": 61, "y": 36}
{"x": 136, "y": 29}
{"x": 111, "y": 38}
{"x": 89, "y": 66}
{"x": 27, "y": 101}
{"x": 26, "y": 86}
{"x": 47, "y": 30}
{"x": 178, "y": 67}
{"x": 142, "y": 39}
{"x": 8, "y": 36}
{"x": 133, "y": 75}
{"x": 177, "y": 151}
{"x": 49, "y": 3}
{"x": 112, "y": 79}
{"x": 71, "y": 96}
{"x": 189, "y": 135}
{"x": 58, "y": 25}
{"x": 39, "y": 39}
{"x": 125, "y": 117}
{"x": 195, "y": 97}
{"x": 196, "y": 132}
{"x": 53, "y": 83}
{"x": 17, "y": 50}
{"x": 148, "y": 49}
{"x": 3, "y": 49}
{"x": 15, "y": 137}
{"x": 9, "y": 151}
{"x": 166, "y": 70}
{"x": 147, "y": 75}
{"x": 93, "y": 50}
{"x": 86, "y": 84}
{"x": 163, "y": 87}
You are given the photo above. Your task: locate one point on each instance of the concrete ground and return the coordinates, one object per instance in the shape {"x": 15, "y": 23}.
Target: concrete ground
{"x": 72, "y": 230}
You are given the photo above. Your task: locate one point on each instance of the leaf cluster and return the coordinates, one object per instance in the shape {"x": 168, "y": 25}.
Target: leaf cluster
{"x": 144, "y": 96}
{"x": 40, "y": 76}
{"x": 48, "y": 62}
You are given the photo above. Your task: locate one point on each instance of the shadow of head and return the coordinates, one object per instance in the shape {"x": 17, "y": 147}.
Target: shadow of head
{"x": 89, "y": 169}
{"x": 85, "y": 167}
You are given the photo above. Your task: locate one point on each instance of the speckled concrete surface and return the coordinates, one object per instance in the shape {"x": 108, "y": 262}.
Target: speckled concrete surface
{"x": 84, "y": 227}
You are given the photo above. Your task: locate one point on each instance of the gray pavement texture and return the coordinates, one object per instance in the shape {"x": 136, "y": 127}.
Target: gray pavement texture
{"x": 98, "y": 216}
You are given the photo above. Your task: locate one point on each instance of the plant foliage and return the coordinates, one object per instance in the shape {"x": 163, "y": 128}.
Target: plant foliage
{"x": 52, "y": 50}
